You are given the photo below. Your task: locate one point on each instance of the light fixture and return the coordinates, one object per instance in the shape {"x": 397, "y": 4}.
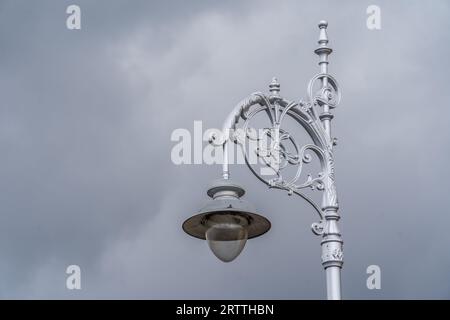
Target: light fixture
{"x": 226, "y": 221}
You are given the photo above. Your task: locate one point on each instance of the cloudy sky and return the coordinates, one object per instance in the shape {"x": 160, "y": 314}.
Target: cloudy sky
{"x": 86, "y": 117}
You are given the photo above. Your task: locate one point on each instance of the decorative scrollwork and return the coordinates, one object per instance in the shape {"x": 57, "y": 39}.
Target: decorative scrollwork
{"x": 276, "y": 149}
{"x": 318, "y": 227}
{"x": 328, "y": 93}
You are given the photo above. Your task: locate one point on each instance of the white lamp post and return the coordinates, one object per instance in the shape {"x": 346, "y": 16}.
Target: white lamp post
{"x": 227, "y": 221}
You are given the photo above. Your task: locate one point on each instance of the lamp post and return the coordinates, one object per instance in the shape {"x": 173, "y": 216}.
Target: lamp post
{"x": 227, "y": 221}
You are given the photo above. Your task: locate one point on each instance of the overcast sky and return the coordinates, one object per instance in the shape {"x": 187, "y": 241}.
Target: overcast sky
{"x": 86, "y": 118}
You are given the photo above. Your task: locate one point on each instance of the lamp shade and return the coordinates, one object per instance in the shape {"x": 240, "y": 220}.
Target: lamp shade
{"x": 226, "y": 207}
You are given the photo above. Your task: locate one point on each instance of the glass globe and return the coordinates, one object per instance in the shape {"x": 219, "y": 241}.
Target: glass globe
{"x": 226, "y": 240}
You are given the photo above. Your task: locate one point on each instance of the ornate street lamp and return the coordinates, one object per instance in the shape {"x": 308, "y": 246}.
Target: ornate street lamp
{"x": 227, "y": 221}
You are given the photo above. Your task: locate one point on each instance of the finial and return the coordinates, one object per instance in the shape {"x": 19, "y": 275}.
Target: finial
{"x": 323, "y": 24}
{"x": 323, "y": 39}
{"x": 274, "y": 86}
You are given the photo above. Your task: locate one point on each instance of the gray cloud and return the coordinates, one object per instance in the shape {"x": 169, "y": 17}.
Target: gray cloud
{"x": 85, "y": 124}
